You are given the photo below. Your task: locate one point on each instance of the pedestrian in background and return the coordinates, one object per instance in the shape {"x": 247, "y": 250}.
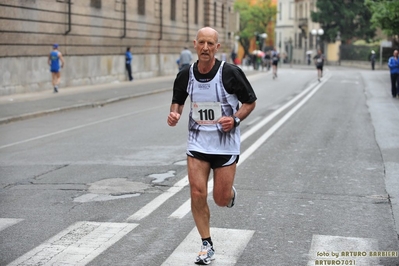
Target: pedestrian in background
{"x": 54, "y": 59}
{"x": 267, "y": 60}
{"x": 185, "y": 58}
{"x": 215, "y": 88}
{"x": 275, "y": 55}
{"x": 129, "y": 58}
{"x": 393, "y": 65}
{"x": 319, "y": 62}
{"x": 372, "y": 59}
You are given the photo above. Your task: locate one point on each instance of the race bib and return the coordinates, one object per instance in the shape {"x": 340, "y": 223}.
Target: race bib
{"x": 206, "y": 113}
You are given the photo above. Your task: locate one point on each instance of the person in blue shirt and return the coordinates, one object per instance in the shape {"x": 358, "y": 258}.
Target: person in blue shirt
{"x": 393, "y": 64}
{"x": 185, "y": 58}
{"x": 54, "y": 59}
{"x": 129, "y": 57}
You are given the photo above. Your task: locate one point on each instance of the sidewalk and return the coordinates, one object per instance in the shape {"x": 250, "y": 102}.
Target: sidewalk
{"x": 22, "y": 106}
{"x": 27, "y": 105}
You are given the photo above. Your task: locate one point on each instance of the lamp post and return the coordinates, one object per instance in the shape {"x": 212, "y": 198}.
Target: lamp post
{"x": 317, "y": 33}
{"x": 263, "y": 37}
{"x": 260, "y": 39}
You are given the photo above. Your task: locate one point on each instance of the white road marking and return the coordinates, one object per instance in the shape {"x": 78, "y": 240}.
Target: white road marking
{"x": 158, "y": 201}
{"x": 229, "y": 245}
{"x": 335, "y": 248}
{"x": 277, "y": 125}
{"x": 7, "y": 222}
{"x": 77, "y": 127}
{"x": 270, "y": 117}
{"x": 77, "y": 245}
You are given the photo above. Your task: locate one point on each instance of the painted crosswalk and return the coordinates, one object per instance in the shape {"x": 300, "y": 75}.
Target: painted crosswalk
{"x": 7, "y": 222}
{"x": 77, "y": 245}
{"x": 82, "y": 242}
{"x": 227, "y": 251}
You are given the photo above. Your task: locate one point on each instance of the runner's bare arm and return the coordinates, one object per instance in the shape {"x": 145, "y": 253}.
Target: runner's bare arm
{"x": 62, "y": 59}
{"x": 227, "y": 122}
{"x": 245, "y": 110}
{"x": 174, "y": 115}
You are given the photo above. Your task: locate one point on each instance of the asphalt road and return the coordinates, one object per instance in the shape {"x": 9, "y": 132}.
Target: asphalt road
{"x": 317, "y": 180}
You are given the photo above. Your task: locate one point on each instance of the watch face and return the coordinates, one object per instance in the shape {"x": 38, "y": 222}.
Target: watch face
{"x": 236, "y": 121}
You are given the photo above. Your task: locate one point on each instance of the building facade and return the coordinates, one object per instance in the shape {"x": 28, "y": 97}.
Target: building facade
{"x": 294, "y": 30}
{"x": 93, "y": 36}
{"x": 284, "y": 31}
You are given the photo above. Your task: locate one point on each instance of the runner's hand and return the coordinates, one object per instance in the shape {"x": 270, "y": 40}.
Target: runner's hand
{"x": 227, "y": 123}
{"x": 173, "y": 118}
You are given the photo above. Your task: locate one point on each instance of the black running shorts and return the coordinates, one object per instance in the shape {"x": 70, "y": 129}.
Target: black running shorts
{"x": 215, "y": 160}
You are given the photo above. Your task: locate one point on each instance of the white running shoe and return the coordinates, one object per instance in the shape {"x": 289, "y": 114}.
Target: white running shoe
{"x": 206, "y": 255}
{"x": 233, "y": 199}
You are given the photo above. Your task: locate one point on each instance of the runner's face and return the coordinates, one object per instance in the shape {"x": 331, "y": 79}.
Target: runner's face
{"x": 206, "y": 45}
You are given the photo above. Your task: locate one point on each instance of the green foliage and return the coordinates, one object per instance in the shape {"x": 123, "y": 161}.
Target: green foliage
{"x": 349, "y": 17}
{"x": 358, "y": 52}
{"x": 385, "y": 14}
{"x": 253, "y": 19}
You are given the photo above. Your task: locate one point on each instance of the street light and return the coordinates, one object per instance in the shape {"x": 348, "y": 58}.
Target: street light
{"x": 262, "y": 37}
{"x": 317, "y": 33}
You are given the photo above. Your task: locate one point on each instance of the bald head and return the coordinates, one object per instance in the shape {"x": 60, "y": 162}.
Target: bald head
{"x": 208, "y": 31}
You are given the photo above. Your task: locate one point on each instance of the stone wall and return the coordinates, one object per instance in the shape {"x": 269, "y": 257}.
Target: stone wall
{"x": 31, "y": 74}
{"x": 93, "y": 36}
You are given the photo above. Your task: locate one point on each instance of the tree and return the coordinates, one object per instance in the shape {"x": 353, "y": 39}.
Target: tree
{"x": 254, "y": 18}
{"x": 349, "y": 17}
{"x": 385, "y": 14}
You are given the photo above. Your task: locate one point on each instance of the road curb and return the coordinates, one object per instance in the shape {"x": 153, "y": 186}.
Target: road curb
{"x": 77, "y": 106}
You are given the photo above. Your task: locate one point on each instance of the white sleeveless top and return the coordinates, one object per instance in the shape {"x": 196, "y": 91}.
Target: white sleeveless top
{"x": 209, "y": 102}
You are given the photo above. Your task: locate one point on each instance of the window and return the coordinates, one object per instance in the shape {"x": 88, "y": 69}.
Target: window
{"x": 300, "y": 11}
{"x": 214, "y": 13}
{"x": 280, "y": 11}
{"x": 95, "y": 3}
{"x": 196, "y": 11}
{"x": 310, "y": 40}
{"x": 223, "y": 15}
{"x": 292, "y": 10}
{"x": 207, "y": 10}
{"x": 141, "y": 7}
{"x": 173, "y": 10}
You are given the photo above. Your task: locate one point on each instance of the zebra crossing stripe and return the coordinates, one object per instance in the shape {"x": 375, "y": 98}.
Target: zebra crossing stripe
{"x": 229, "y": 245}
{"x": 6, "y": 222}
{"x": 343, "y": 250}
{"x": 158, "y": 201}
{"x": 77, "y": 245}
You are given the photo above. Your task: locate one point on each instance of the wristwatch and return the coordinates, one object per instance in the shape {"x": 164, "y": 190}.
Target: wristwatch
{"x": 237, "y": 121}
